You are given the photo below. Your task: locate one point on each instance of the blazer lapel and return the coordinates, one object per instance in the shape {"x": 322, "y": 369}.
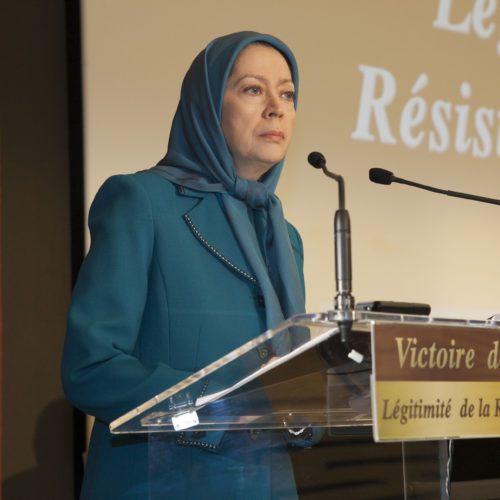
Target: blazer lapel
{"x": 208, "y": 223}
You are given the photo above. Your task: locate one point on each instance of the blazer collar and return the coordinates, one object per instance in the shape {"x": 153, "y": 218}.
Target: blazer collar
{"x": 209, "y": 224}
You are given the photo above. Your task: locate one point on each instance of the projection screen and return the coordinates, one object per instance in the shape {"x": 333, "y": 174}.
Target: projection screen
{"x": 410, "y": 86}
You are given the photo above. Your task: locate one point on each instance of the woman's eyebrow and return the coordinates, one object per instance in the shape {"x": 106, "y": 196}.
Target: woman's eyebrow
{"x": 263, "y": 78}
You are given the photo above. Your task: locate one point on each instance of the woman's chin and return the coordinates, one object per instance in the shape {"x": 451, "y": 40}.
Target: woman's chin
{"x": 255, "y": 170}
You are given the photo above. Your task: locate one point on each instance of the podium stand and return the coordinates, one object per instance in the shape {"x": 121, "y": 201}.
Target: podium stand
{"x": 295, "y": 392}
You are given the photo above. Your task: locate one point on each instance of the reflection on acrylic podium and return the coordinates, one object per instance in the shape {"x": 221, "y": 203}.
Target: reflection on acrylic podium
{"x": 300, "y": 401}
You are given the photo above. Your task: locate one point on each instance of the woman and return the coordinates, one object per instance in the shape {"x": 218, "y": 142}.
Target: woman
{"x": 188, "y": 261}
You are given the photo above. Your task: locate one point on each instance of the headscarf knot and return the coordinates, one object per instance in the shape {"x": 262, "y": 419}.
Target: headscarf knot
{"x": 253, "y": 193}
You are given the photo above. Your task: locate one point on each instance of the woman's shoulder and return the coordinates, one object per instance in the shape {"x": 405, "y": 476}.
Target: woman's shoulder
{"x": 144, "y": 180}
{"x": 143, "y": 187}
{"x": 131, "y": 196}
{"x": 145, "y": 193}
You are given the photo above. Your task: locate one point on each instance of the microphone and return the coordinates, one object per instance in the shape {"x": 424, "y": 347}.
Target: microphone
{"x": 344, "y": 301}
{"x": 381, "y": 176}
{"x": 316, "y": 159}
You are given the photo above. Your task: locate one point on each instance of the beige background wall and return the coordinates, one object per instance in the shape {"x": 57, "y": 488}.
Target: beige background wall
{"x": 407, "y": 244}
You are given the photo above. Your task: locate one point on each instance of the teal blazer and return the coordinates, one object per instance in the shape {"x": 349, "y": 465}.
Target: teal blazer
{"x": 164, "y": 291}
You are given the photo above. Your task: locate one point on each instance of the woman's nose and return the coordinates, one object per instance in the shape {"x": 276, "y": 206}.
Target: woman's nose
{"x": 274, "y": 107}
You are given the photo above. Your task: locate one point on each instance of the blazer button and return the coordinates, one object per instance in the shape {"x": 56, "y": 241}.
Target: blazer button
{"x": 259, "y": 300}
{"x": 198, "y": 434}
{"x": 263, "y": 352}
{"x": 255, "y": 434}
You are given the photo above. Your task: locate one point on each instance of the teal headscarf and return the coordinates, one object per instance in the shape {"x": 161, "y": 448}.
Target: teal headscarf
{"x": 198, "y": 157}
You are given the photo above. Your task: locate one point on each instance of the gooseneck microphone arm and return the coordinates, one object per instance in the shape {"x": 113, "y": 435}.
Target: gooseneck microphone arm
{"x": 317, "y": 160}
{"x": 382, "y": 176}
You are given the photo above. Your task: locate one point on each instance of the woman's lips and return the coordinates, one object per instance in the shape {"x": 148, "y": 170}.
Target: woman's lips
{"x": 273, "y": 135}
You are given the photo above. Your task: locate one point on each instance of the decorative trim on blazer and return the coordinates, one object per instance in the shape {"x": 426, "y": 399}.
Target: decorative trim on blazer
{"x": 215, "y": 252}
{"x": 180, "y": 441}
{"x": 200, "y": 438}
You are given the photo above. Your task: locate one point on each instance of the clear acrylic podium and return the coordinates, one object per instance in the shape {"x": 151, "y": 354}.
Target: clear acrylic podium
{"x": 297, "y": 382}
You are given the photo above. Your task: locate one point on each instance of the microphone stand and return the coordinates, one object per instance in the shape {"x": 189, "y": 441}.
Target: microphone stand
{"x": 344, "y": 300}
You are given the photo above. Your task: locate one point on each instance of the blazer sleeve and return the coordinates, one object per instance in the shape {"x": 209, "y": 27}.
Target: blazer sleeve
{"x": 100, "y": 373}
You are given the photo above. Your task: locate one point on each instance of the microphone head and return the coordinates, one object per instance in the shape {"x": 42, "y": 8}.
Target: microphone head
{"x": 316, "y": 159}
{"x": 380, "y": 176}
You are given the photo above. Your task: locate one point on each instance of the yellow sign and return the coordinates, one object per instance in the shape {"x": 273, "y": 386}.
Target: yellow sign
{"x": 435, "y": 382}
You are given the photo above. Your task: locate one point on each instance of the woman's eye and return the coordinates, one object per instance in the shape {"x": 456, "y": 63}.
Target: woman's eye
{"x": 289, "y": 95}
{"x": 253, "y": 90}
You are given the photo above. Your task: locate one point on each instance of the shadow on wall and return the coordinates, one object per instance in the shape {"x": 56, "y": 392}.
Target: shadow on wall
{"x": 51, "y": 478}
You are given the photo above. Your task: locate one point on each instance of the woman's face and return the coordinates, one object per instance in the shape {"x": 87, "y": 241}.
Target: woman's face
{"x": 258, "y": 112}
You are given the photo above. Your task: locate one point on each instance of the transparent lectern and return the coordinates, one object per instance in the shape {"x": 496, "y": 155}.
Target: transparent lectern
{"x": 297, "y": 381}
